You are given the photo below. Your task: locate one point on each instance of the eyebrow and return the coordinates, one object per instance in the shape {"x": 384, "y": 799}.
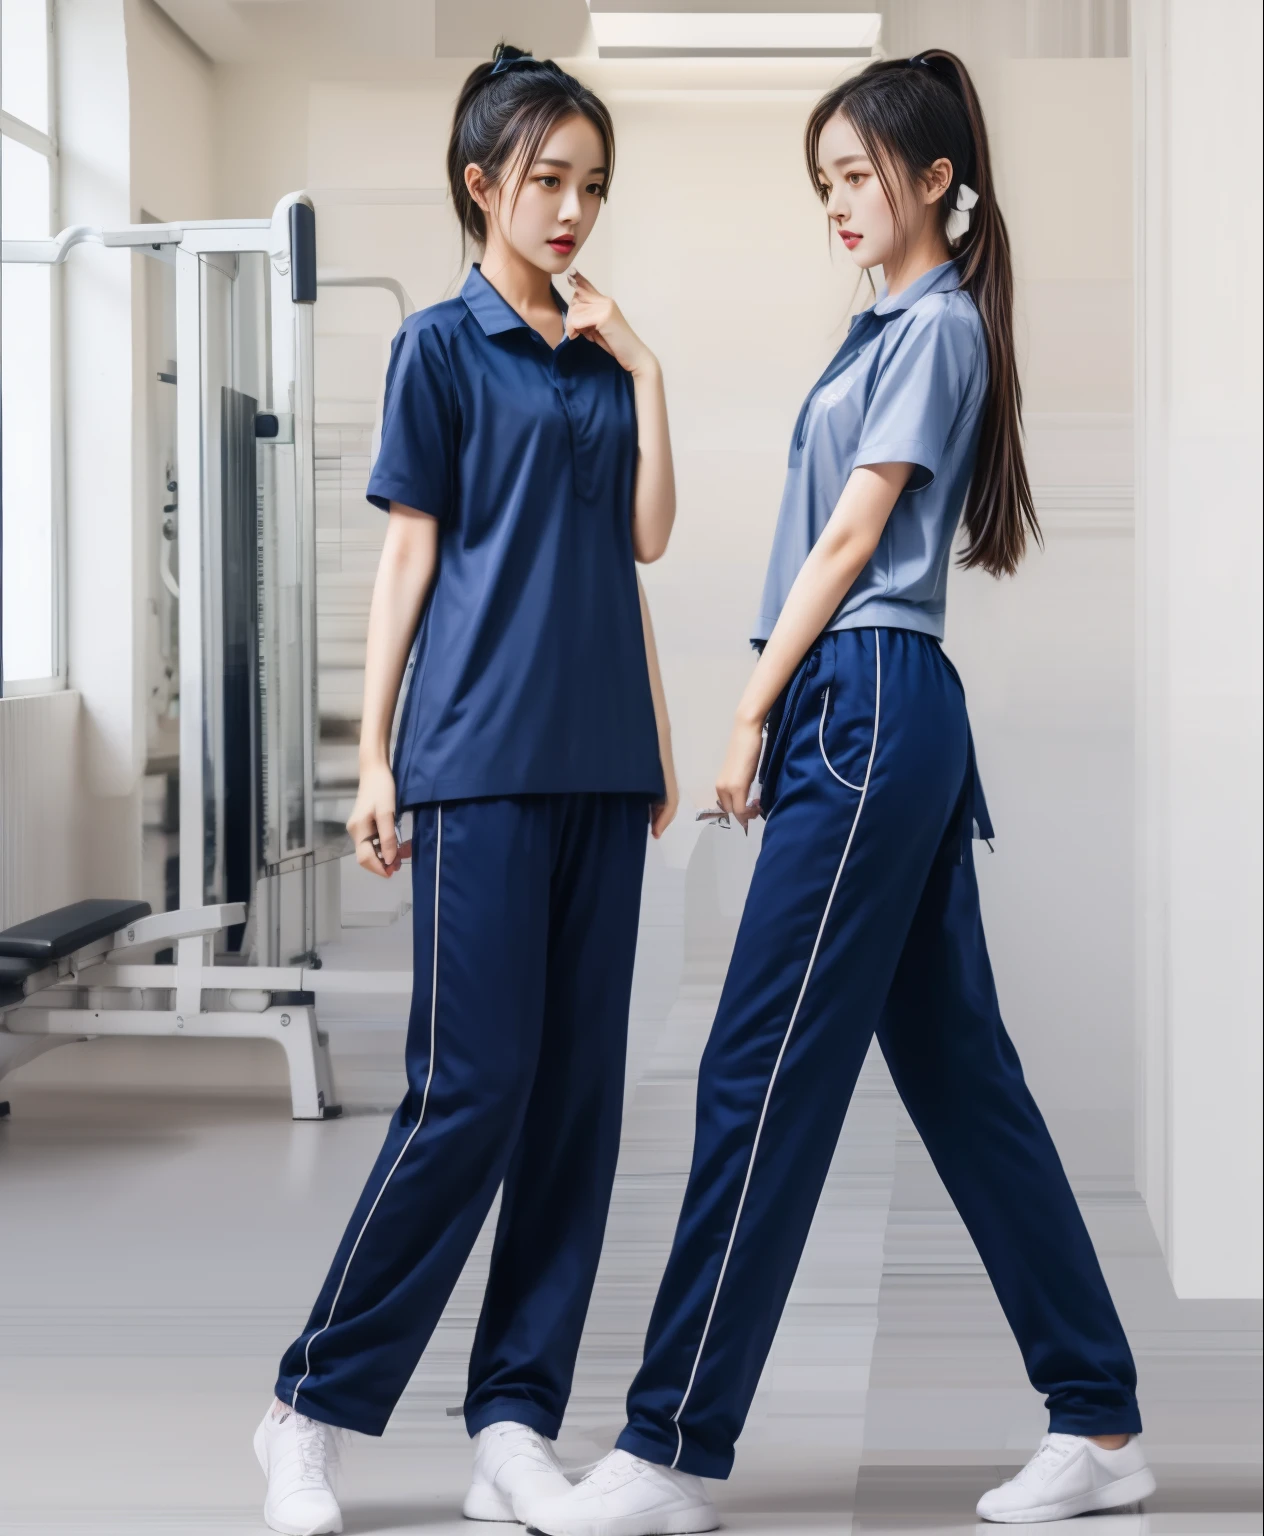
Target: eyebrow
{"x": 847, "y": 159}
{"x": 565, "y": 165}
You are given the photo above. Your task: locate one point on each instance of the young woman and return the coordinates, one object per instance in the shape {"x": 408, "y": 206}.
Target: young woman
{"x": 525, "y": 465}
{"x": 863, "y": 913}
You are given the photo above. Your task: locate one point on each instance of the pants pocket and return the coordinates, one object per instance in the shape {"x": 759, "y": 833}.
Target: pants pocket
{"x": 849, "y": 708}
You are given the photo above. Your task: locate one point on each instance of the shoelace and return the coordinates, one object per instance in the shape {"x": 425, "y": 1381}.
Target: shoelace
{"x": 316, "y": 1450}
{"x": 1050, "y": 1455}
{"x": 612, "y": 1471}
{"x": 524, "y": 1443}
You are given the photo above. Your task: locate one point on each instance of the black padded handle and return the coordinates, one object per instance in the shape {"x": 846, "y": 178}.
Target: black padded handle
{"x": 302, "y": 254}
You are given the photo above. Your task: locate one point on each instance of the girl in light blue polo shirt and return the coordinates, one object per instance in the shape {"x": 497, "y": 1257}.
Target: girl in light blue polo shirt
{"x": 863, "y": 914}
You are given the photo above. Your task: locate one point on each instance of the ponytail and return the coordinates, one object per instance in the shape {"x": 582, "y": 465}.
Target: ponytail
{"x": 908, "y": 113}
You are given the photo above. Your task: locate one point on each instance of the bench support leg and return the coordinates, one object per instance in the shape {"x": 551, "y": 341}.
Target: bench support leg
{"x": 292, "y": 1026}
{"x": 307, "y": 1055}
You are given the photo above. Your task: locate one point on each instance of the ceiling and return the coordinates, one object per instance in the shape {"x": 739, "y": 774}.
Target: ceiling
{"x": 352, "y": 34}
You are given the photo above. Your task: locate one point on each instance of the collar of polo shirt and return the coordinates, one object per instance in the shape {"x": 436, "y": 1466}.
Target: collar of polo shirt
{"x": 941, "y": 279}
{"x": 492, "y": 311}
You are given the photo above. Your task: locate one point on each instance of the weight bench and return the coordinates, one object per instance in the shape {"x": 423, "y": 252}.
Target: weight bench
{"x": 68, "y": 975}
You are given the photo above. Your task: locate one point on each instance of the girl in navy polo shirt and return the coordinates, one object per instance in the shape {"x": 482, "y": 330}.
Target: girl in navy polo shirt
{"x": 526, "y": 467}
{"x": 863, "y": 913}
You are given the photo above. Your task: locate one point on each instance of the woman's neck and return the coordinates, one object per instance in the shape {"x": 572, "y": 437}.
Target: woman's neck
{"x": 524, "y": 286}
{"x": 930, "y": 251}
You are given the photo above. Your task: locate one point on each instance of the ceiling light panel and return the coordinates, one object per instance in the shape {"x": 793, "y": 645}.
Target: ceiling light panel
{"x": 632, "y": 34}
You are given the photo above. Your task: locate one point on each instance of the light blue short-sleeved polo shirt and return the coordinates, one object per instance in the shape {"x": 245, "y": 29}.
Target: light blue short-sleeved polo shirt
{"x": 908, "y": 385}
{"x": 530, "y": 674}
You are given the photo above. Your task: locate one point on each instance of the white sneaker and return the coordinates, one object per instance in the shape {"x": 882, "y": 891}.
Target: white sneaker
{"x": 515, "y": 1469}
{"x": 625, "y": 1496}
{"x": 1070, "y": 1475}
{"x": 297, "y": 1455}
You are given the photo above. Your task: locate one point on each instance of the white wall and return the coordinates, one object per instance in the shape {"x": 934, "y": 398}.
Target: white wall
{"x": 1199, "y": 679}
{"x": 39, "y": 753}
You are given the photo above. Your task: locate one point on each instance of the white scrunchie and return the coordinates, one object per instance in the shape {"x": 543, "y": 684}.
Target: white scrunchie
{"x": 959, "y": 217}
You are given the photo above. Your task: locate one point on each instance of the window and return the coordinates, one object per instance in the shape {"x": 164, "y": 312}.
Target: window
{"x": 30, "y": 585}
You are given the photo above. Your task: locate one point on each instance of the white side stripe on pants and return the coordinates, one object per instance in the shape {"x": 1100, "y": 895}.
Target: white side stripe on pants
{"x": 759, "y": 1129}
{"x": 425, "y": 1097}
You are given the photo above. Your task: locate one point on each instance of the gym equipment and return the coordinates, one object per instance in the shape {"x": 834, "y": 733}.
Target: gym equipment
{"x": 253, "y": 855}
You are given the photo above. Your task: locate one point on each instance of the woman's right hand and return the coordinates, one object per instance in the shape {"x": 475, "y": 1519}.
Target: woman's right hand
{"x": 373, "y": 817}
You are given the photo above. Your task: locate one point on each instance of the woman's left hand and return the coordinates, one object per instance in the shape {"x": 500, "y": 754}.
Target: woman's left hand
{"x": 663, "y": 812}
{"x": 597, "y": 316}
{"x": 733, "y": 782}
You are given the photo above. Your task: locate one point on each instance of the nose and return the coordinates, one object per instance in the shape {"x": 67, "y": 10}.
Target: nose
{"x": 837, "y": 207}
{"x": 570, "y": 211}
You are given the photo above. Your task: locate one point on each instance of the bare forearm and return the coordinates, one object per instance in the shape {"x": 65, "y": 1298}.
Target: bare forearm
{"x": 654, "y": 506}
{"x": 819, "y": 588}
{"x": 826, "y": 576}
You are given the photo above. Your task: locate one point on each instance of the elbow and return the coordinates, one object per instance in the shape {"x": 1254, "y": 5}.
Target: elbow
{"x": 648, "y": 549}
{"x": 651, "y": 534}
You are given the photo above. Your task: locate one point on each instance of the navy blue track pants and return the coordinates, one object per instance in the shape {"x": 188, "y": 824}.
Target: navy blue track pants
{"x": 863, "y": 916}
{"x": 524, "y": 932}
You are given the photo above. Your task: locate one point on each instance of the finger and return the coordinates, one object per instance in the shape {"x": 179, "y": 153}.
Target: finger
{"x": 581, "y": 282}
{"x": 388, "y": 843}
{"x": 366, "y": 858}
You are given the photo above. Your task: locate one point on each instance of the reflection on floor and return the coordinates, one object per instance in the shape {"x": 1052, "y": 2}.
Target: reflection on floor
{"x": 159, "y": 1246}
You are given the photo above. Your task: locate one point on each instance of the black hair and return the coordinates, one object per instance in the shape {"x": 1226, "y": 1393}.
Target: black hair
{"x": 506, "y": 109}
{"x": 908, "y": 113}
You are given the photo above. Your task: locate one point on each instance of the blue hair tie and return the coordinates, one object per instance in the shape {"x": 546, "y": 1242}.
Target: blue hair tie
{"x": 503, "y": 64}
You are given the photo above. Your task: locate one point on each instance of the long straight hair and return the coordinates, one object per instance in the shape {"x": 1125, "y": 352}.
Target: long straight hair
{"x": 908, "y": 113}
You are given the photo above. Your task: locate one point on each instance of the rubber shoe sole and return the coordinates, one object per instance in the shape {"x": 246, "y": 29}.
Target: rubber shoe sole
{"x": 1124, "y": 1490}
{"x": 485, "y": 1502}
{"x": 684, "y": 1522}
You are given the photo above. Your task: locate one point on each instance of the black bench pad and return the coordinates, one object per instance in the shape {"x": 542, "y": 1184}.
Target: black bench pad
{"x": 55, "y": 934}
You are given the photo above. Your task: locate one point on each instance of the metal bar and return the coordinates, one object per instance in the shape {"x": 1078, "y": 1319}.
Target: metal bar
{"x": 189, "y": 457}
{"x": 186, "y": 922}
{"x": 351, "y": 280}
{"x": 246, "y": 978}
{"x": 50, "y": 252}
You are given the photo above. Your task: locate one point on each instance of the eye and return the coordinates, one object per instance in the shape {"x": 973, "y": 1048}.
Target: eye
{"x": 855, "y": 178}
{"x": 551, "y": 182}
{"x": 596, "y": 188}
{"x": 823, "y": 189}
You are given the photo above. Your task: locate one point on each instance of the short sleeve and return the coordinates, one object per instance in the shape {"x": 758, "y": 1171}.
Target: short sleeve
{"x": 415, "y": 464}
{"x": 917, "y": 398}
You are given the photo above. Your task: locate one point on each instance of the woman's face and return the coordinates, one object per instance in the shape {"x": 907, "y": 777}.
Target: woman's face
{"x": 857, "y": 205}
{"x": 546, "y": 211}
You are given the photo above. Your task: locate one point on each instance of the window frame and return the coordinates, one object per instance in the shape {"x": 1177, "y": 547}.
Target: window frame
{"x": 46, "y": 144}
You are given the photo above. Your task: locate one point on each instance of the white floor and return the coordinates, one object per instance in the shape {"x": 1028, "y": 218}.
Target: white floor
{"x": 164, "y": 1227}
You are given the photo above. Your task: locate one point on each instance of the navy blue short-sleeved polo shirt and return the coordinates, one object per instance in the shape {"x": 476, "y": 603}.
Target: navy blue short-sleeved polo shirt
{"x": 530, "y": 674}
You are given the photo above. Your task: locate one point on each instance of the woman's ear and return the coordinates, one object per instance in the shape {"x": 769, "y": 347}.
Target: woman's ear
{"x": 476, "y": 186}
{"x": 936, "y": 180}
